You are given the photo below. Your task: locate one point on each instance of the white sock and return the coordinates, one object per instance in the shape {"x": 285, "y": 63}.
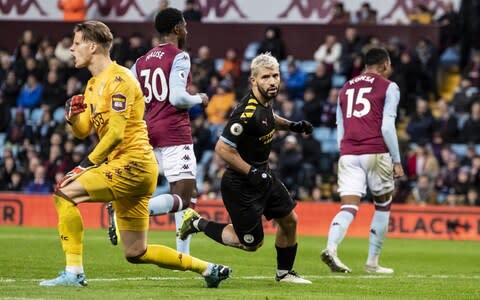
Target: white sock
{"x": 378, "y": 231}
{"x": 339, "y": 226}
{"x": 182, "y": 246}
{"x": 164, "y": 203}
{"x": 74, "y": 269}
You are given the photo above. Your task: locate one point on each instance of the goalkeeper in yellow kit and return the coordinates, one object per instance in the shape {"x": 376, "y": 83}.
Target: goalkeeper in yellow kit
{"x": 122, "y": 167}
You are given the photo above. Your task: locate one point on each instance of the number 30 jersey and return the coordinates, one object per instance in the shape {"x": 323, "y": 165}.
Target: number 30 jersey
{"x": 161, "y": 69}
{"x": 362, "y": 103}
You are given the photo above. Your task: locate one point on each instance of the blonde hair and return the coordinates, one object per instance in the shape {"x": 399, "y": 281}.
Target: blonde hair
{"x": 264, "y": 60}
{"x": 97, "y": 32}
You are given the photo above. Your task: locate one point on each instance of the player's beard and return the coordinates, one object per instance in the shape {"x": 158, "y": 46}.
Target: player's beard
{"x": 264, "y": 92}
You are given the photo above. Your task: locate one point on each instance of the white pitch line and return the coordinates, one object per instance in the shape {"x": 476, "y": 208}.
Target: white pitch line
{"x": 345, "y": 277}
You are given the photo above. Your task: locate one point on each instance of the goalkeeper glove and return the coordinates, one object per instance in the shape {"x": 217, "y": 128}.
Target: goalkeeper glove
{"x": 301, "y": 127}
{"x": 77, "y": 171}
{"x": 258, "y": 177}
{"x": 74, "y": 106}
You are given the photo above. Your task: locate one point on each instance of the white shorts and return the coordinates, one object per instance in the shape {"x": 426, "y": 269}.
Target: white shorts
{"x": 355, "y": 172}
{"x": 177, "y": 162}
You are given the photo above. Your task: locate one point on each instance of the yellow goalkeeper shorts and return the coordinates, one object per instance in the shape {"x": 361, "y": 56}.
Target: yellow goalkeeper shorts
{"x": 129, "y": 184}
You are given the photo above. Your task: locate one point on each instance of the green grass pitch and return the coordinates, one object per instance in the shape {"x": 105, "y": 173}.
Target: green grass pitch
{"x": 423, "y": 270}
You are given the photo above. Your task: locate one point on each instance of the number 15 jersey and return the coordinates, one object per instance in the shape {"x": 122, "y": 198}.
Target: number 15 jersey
{"x": 362, "y": 103}
{"x": 158, "y": 71}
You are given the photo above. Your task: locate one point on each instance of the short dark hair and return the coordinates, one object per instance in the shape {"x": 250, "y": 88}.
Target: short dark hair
{"x": 376, "y": 56}
{"x": 167, "y": 19}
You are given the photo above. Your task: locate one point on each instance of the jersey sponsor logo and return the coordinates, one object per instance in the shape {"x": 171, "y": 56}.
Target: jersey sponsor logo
{"x": 265, "y": 139}
{"x": 119, "y": 102}
{"x": 248, "y": 238}
{"x": 236, "y": 129}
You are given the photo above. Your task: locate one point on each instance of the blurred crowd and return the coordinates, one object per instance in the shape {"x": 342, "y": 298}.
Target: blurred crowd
{"x": 439, "y": 136}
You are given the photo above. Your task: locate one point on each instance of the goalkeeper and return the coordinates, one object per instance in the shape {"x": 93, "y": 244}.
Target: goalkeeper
{"x": 122, "y": 167}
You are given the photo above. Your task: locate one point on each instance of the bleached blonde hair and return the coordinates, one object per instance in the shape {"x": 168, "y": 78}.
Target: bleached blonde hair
{"x": 264, "y": 60}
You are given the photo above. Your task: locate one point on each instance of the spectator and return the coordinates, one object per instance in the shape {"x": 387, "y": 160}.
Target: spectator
{"x": 421, "y": 161}
{"x": 320, "y": 82}
{"x": 192, "y": 13}
{"x": 365, "y": 15}
{"x": 162, "y": 4}
{"x": 423, "y": 193}
{"x": 62, "y": 50}
{"x": 203, "y": 68}
{"x": 449, "y": 27}
{"x": 421, "y": 16}
{"x": 329, "y": 52}
{"x": 312, "y": 107}
{"x": 20, "y": 130}
{"x": 44, "y": 131}
{"x": 19, "y": 64}
{"x": 311, "y": 153}
{"x": 31, "y": 93}
{"x": 470, "y": 132}
{"x": 220, "y": 105}
{"x": 5, "y": 66}
{"x": 463, "y": 98}
{"x": 5, "y": 115}
{"x": 446, "y": 124}
{"x": 7, "y": 168}
{"x": 295, "y": 80}
{"x": 54, "y": 92}
{"x": 15, "y": 184}
{"x": 273, "y": 43}
{"x": 461, "y": 186}
{"x": 340, "y": 15}
{"x": 420, "y": 127}
{"x": 473, "y": 198}
{"x": 135, "y": 49}
{"x": 472, "y": 70}
{"x": 328, "y": 117}
{"x": 290, "y": 159}
{"x": 289, "y": 110}
{"x": 73, "y": 10}
{"x": 231, "y": 70}
{"x": 406, "y": 75}
{"x": 39, "y": 184}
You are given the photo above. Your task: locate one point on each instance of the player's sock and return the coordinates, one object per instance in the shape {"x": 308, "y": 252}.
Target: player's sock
{"x": 164, "y": 203}
{"x": 166, "y": 257}
{"x": 211, "y": 229}
{"x": 339, "y": 226}
{"x": 378, "y": 231}
{"x": 285, "y": 259}
{"x": 183, "y": 246}
{"x": 70, "y": 228}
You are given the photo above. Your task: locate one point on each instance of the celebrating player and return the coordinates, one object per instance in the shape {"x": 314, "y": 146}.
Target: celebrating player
{"x": 248, "y": 187}
{"x": 367, "y": 139}
{"x": 121, "y": 168}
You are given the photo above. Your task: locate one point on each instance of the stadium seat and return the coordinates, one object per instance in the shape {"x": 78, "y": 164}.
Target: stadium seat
{"x": 329, "y": 146}
{"x": 59, "y": 115}
{"x": 283, "y": 67}
{"x": 309, "y": 66}
{"x": 218, "y": 64}
{"x": 477, "y": 149}
{"x": 459, "y": 149}
{"x": 322, "y": 134}
{"x": 245, "y": 66}
{"x": 251, "y": 51}
{"x": 3, "y": 135}
{"x": 36, "y": 116}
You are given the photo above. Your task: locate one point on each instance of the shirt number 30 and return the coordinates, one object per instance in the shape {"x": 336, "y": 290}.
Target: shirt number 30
{"x": 154, "y": 83}
{"x": 359, "y": 99}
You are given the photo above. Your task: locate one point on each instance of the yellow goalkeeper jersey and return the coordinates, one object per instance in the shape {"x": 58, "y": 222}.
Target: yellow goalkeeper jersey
{"x": 115, "y": 108}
